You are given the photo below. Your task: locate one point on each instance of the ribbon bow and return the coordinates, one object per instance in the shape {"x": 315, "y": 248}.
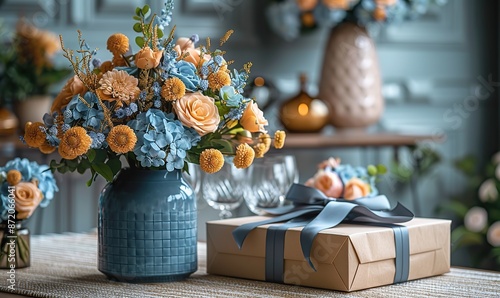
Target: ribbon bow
{"x": 326, "y": 213}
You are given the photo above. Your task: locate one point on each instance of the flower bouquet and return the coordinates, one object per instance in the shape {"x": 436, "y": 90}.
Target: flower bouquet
{"x": 289, "y": 18}
{"x": 345, "y": 181}
{"x": 168, "y": 104}
{"x": 24, "y": 186}
{"x": 27, "y": 71}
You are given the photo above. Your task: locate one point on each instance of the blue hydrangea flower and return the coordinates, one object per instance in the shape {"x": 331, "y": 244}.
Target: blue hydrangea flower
{"x": 219, "y": 60}
{"x": 156, "y": 88}
{"x": 161, "y": 140}
{"x": 347, "y": 172}
{"x": 327, "y": 17}
{"x": 187, "y": 73}
{"x": 92, "y": 117}
{"x": 157, "y": 104}
{"x": 97, "y": 139}
{"x": 142, "y": 95}
{"x": 29, "y": 171}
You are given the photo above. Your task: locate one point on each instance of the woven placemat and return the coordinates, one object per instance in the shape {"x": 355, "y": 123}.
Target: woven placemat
{"x": 65, "y": 266}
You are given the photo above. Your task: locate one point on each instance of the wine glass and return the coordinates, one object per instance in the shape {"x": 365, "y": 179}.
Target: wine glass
{"x": 223, "y": 190}
{"x": 267, "y": 183}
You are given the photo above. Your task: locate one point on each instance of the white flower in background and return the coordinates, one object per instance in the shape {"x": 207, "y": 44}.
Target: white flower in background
{"x": 488, "y": 191}
{"x": 476, "y": 219}
{"x": 493, "y": 235}
{"x": 496, "y": 158}
{"x": 497, "y": 172}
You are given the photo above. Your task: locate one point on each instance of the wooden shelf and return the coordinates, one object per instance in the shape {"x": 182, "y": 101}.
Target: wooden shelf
{"x": 356, "y": 139}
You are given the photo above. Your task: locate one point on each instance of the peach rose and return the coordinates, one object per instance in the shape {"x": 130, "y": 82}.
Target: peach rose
{"x": 185, "y": 48}
{"x": 336, "y": 4}
{"x": 198, "y": 111}
{"x": 28, "y": 197}
{"x": 493, "y": 234}
{"x": 356, "y": 188}
{"x": 306, "y": 5}
{"x": 72, "y": 87}
{"x": 253, "y": 118}
{"x": 147, "y": 58}
{"x": 327, "y": 182}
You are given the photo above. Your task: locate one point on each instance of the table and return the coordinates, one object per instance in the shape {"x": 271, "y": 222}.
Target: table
{"x": 64, "y": 265}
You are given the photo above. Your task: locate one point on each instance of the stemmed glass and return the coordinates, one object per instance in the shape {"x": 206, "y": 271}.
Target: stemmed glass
{"x": 222, "y": 191}
{"x": 268, "y": 181}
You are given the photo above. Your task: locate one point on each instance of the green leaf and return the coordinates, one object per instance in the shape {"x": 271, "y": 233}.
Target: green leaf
{"x": 372, "y": 170}
{"x": 91, "y": 155}
{"x": 463, "y": 237}
{"x": 104, "y": 170}
{"x": 115, "y": 165}
{"x": 137, "y": 18}
{"x": 137, "y": 28}
{"x": 381, "y": 169}
{"x": 83, "y": 166}
{"x": 101, "y": 155}
{"x": 225, "y": 146}
{"x": 146, "y": 11}
{"x": 139, "y": 40}
{"x": 138, "y": 11}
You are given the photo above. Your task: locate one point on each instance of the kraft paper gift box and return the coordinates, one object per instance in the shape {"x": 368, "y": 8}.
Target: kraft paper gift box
{"x": 348, "y": 257}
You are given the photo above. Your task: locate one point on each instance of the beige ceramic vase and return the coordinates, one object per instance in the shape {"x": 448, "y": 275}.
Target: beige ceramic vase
{"x": 32, "y": 109}
{"x": 350, "y": 82}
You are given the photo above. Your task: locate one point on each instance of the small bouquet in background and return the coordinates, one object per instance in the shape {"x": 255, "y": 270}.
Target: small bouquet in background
{"x": 24, "y": 186}
{"x": 26, "y": 66}
{"x": 289, "y": 18}
{"x": 168, "y": 104}
{"x": 345, "y": 181}
{"x": 27, "y": 183}
{"x": 479, "y": 213}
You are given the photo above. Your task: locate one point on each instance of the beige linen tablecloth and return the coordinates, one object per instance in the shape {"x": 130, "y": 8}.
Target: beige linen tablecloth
{"x": 65, "y": 266}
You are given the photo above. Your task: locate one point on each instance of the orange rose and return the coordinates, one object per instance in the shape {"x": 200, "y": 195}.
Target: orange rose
{"x": 327, "y": 182}
{"x": 356, "y": 188}
{"x": 72, "y": 87}
{"x": 28, "y": 197}
{"x": 198, "y": 111}
{"x": 253, "y": 118}
{"x": 147, "y": 58}
{"x": 306, "y": 5}
{"x": 185, "y": 48}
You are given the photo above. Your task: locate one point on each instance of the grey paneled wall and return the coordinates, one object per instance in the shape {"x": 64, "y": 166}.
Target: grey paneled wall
{"x": 433, "y": 69}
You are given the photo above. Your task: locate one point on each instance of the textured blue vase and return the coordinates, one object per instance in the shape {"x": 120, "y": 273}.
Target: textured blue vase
{"x": 147, "y": 227}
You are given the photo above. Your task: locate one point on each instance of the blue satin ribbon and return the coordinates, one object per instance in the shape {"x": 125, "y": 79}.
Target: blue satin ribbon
{"x": 329, "y": 212}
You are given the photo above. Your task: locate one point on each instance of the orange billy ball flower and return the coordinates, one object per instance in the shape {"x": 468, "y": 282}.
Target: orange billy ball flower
{"x": 118, "y": 44}
{"x": 279, "y": 139}
{"x": 211, "y": 160}
{"x": 14, "y": 177}
{"x": 46, "y": 148}
{"x": 244, "y": 156}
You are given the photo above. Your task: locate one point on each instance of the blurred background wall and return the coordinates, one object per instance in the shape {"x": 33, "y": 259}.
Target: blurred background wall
{"x": 431, "y": 68}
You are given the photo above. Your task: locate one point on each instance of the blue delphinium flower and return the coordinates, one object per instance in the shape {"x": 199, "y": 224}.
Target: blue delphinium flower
{"x": 29, "y": 171}
{"x": 98, "y": 140}
{"x": 120, "y": 113}
{"x": 239, "y": 80}
{"x": 156, "y": 88}
{"x": 164, "y": 19}
{"x": 187, "y": 73}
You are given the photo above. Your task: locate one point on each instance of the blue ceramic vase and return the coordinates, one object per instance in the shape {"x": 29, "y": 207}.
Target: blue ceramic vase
{"x": 147, "y": 227}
